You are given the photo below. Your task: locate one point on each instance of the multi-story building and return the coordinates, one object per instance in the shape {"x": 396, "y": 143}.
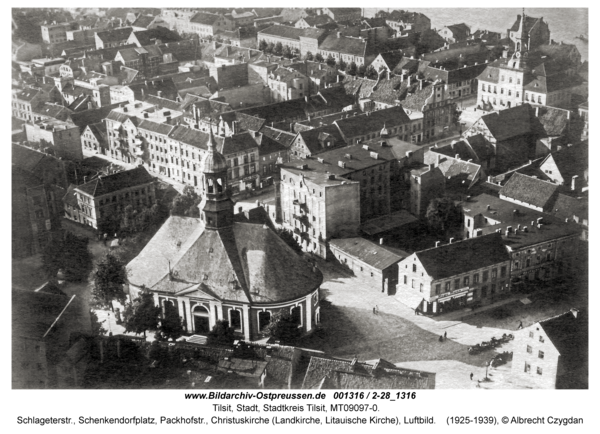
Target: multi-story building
{"x": 553, "y": 353}
{"x": 105, "y": 196}
{"x": 27, "y": 101}
{"x": 359, "y": 50}
{"x": 55, "y": 33}
{"x": 408, "y": 22}
{"x": 316, "y": 206}
{"x": 205, "y": 24}
{"x": 113, "y": 37}
{"x": 304, "y": 40}
{"x": 342, "y": 15}
{"x": 145, "y": 60}
{"x": 394, "y": 120}
{"x": 541, "y": 246}
{"x": 122, "y": 128}
{"x": 94, "y": 138}
{"x": 287, "y": 83}
{"x": 530, "y": 31}
{"x": 456, "y": 274}
{"x": 455, "y": 33}
{"x": 427, "y": 182}
{"x": 63, "y": 138}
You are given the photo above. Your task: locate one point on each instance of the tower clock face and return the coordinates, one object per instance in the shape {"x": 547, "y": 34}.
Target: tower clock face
{"x": 517, "y": 55}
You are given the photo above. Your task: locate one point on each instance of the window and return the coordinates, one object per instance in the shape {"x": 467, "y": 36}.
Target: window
{"x": 438, "y": 288}
{"x": 529, "y": 349}
{"x": 466, "y": 281}
{"x": 540, "y": 354}
{"x": 447, "y": 286}
{"x": 494, "y": 273}
{"x": 486, "y": 275}
{"x": 542, "y": 339}
{"x": 456, "y": 283}
{"x": 539, "y": 370}
{"x": 483, "y": 291}
{"x": 516, "y": 265}
{"x": 503, "y": 271}
{"x": 235, "y": 319}
{"x": 475, "y": 278}
{"x": 414, "y": 268}
{"x": 405, "y": 279}
{"x": 531, "y": 335}
{"x": 420, "y": 285}
{"x": 527, "y": 367}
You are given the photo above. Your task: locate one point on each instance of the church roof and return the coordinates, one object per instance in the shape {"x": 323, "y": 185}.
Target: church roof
{"x": 245, "y": 263}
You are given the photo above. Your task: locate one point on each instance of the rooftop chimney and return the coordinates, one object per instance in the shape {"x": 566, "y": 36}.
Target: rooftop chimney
{"x": 437, "y": 243}
{"x": 381, "y": 241}
{"x": 450, "y": 240}
{"x": 574, "y": 182}
{"x": 574, "y": 311}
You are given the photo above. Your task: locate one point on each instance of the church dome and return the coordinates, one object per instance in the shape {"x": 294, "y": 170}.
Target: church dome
{"x": 213, "y": 161}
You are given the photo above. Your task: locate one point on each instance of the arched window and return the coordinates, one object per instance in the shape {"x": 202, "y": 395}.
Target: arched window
{"x": 201, "y": 318}
{"x": 211, "y": 187}
{"x": 296, "y": 313}
{"x": 264, "y": 318}
{"x": 219, "y": 185}
{"x": 235, "y": 319}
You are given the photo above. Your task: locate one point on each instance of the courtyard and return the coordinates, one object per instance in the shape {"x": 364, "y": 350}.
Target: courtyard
{"x": 350, "y": 328}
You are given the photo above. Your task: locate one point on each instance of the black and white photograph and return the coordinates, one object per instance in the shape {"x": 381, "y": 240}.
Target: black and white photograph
{"x": 319, "y": 199}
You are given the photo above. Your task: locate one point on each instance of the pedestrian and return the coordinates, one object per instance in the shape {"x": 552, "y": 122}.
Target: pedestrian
{"x": 520, "y": 325}
{"x": 471, "y": 376}
{"x": 445, "y": 335}
{"x": 374, "y": 312}
{"x": 441, "y": 338}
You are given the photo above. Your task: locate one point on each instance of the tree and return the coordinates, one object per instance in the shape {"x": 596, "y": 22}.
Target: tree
{"x": 97, "y": 329}
{"x": 221, "y": 334}
{"x": 186, "y": 203}
{"x": 309, "y": 56}
{"x": 287, "y": 52}
{"x": 278, "y": 49}
{"x": 270, "y": 48}
{"x": 171, "y": 325}
{"x": 330, "y": 61}
{"x": 371, "y": 73}
{"x": 70, "y": 254}
{"x": 142, "y": 314}
{"x": 441, "y": 214}
{"x": 109, "y": 278}
{"x": 352, "y": 68}
{"x": 288, "y": 238}
{"x": 283, "y": 327}
{"x": 262, "y": 45}
{"x": 341, "y": 65}
{"x": 361, "y": 70}
{"x": 318, "y": 57}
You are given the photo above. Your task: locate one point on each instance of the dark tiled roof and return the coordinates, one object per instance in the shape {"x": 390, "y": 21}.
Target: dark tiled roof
{"x": 143, "y": 21}
{"x": 149, "y": 37}
{"x": 513, "y": 122}
{"x": 314, "y": 138}
{"x": 529, "y": 23}
{"x": 93, "y": 116}
{"x": 284, "y": 137}
{"x": 373, "y": 121}
{"x": 480, "y": 146}
{"x": 117, "y": 181}
{"x": 252, "y": 255}
{"x": 554, "y": 120}
{"x": 568, "y": 334}
{"x": 250, "y": 123}
{"x": 192, "y": 137}
{"x": 459, "y": 31}
{"x": 204, "y": 18}
{"x": 267, "y": 145}
{"x": 529, "y": 190}
{"x": 26, "y": 158}
{"x": 344, "y": 45}
{"x": 158, "y": 128}
{"x": 463, "y": 256}
{"x": 572, "y": 160}
{"x": 329, "y": 373}
{"x": 116, "y": 35}
{"x": 236, "y": 143}
{"x": 368, "y": 252}
{"x": 163, "y": 102}
{"x": 567, "y": 207}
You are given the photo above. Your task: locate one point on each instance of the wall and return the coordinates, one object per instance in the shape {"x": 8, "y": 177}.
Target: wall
{"x": 549, "y": 364}
{"x": 342, "y": 210}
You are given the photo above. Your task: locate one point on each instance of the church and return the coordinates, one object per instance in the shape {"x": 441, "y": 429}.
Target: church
{"x": 223, "y": 267}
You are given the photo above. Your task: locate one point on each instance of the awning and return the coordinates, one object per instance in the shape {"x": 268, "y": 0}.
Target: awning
{"x": 461, "y": 294}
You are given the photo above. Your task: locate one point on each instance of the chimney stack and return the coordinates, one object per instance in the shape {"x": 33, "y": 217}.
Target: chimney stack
{"x": 574, "y": 182}
{"x": 381, "y": 241}
{"x": 437, "y": 243}
{"x": 450, "y": 240}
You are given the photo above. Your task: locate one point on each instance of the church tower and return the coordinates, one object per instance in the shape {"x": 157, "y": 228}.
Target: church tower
{"x": 216, "y": 208}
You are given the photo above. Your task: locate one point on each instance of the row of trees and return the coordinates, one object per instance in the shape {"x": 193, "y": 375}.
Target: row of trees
{"x": 69, "y": 254}
{"x": 278, "y": 49}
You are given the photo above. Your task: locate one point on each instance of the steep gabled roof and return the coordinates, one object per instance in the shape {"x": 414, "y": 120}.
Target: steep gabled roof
{"x": 529, "y": 190}
{"x": 116, "y": 35}
{"x": 571, "y": 161}
{"x": 513, "y": 122}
